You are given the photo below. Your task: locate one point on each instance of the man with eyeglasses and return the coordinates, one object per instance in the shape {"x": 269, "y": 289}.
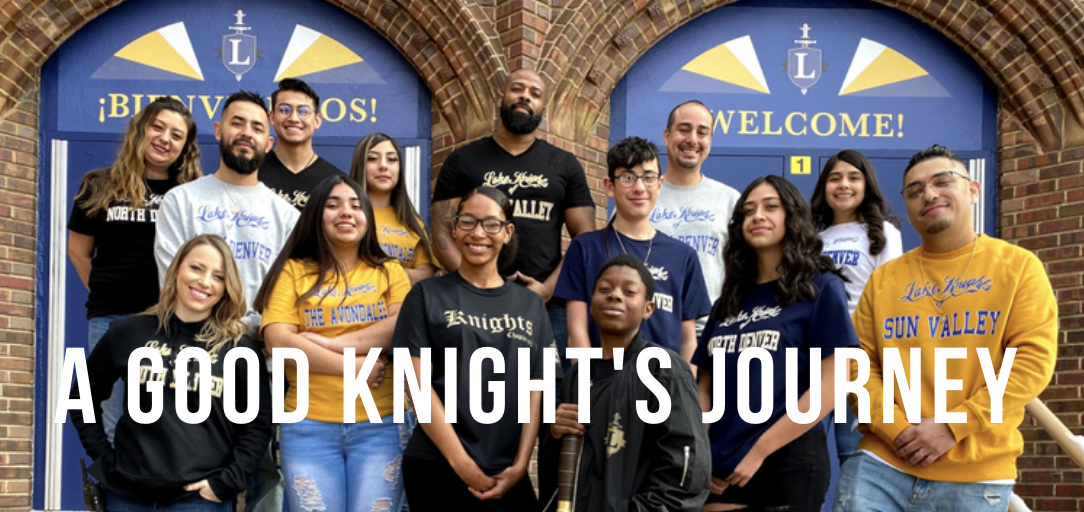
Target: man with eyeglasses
{"x": 694, "y": 208}
{"x": 974, "y": 306}
{"x": 680, "y": 295}
{"x": 546, "y": 184}
{"x": 293, "y": 168}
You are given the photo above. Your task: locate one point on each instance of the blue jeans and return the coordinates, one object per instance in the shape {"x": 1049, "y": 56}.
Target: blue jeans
{"x": 345, "y": 467}
{"x": 847, "y": 437}
{"x": 559, "y": 326}
{"x": 113, "y": 408}
{"x": 869, "y": 485}
{"x": 117, "y": 503}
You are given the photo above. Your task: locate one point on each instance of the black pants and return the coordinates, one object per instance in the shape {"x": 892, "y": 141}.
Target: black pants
{"x": 793, "y": 479}
{"x": 433, "y": 486}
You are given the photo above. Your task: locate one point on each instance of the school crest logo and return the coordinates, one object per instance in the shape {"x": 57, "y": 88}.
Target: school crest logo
{"x": 804, "y": 64}
{"x": 615, "y": 436}
{"x": 239, "y": 51}
{"x": 658, "y": 273}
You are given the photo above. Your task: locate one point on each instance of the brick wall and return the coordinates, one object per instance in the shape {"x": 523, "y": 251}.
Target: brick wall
{"x": 1042, "y": 206}
{"x": 463, "y": 50}
{"x": 18, "y": 214}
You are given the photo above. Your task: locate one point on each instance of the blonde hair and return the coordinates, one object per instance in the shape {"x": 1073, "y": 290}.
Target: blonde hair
{"x": 124, "y": 179}
{"x": 225, "y": 324}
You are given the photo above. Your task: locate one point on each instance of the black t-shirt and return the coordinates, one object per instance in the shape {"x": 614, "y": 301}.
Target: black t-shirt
{"x": 123, "y": 274}
{"x": 447, "y": 311}
{"x": 294, "y": 188}
{"x": 543, "y": 182}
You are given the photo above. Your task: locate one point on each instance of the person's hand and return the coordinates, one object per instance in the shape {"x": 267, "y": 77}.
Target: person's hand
{"x": 204, "y": 489}
{"x": 472, "y": 475}
{"x": 505, "y": 480}
{"x": 746, "y": 469}
{"x": 718, "y": 485}
{"x": 922, "y": 444}
{"x": 328, "y": 343}
{"x": 534, "y": 285}
{"x": 566, "y": 421}
{"x": 376, "y": 376}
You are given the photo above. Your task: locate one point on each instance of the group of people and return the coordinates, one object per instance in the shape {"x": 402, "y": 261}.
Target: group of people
{"x": 279, "y": 250}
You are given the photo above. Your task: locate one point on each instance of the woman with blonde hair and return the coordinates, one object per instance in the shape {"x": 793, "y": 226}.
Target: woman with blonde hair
{"x": 111, "y": 229}
{"x": 377, "y": 168}
{"x": 194, "y": 463}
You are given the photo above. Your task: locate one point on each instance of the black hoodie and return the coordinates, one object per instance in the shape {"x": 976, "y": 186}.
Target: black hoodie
{"x": 154, "y": 462}
{"x": 629, "y": 465}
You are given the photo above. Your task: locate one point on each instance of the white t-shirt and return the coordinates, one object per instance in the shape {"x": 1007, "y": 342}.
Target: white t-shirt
{"x": 848, "y": 245}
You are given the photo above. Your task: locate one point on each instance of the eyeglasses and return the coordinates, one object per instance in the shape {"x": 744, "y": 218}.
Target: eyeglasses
{"x": 287, "y": 110}
{"x": 940, "y": 181}
{"x": 490, "y": 225}
{"x": 628, "y": 179}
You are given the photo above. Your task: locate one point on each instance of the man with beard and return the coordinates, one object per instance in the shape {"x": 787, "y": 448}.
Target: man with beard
{"x": 293, "y": 168}
{"x": 254, "y": 221}
{"x": 693, "y": 208}
{"x": 546, "y": 184}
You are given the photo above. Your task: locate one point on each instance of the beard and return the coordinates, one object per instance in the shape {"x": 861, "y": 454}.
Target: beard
{"x": 938, "y": 226}
{"x": 240, "y": 164}
{"x": 518, "y": 122}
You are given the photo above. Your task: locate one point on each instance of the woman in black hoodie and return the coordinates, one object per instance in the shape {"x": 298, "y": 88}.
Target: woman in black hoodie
{"x": 200, "y": 462}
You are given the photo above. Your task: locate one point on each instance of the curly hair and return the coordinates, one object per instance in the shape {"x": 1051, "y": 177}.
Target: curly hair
{"x": 123, "y": 181}
{"x": 874, "y": 210}
{"x": 802, "y": 258}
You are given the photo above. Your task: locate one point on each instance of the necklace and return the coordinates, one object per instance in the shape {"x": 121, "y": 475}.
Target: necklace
{"x": 227, "y": 191}
{"x": 650, "y": 243}
{"x": 311, "y": 160}
{"x": 921, "y": 267}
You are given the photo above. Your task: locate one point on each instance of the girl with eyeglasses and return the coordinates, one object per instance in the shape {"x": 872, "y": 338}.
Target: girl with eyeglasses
{"x": 469, "y": 465}
{"x": 780, "y": 293}
{"x": 111, "y": 228}
{"x": 332, "y": 288}
{"x": 859, "y": 236}
{"x": 377, "y": 167}
{"x": 190, "y": 464}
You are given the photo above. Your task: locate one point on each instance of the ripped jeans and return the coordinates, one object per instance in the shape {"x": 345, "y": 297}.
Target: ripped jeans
{"x": 343, "y": 467}
{"x": 868, "y": 484}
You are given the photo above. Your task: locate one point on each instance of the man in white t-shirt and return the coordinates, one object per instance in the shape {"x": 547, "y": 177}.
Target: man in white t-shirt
{"x": 693, "y": 208}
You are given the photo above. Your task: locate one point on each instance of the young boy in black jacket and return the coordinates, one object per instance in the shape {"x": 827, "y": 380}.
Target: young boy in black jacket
{"x": 625, "y": 462}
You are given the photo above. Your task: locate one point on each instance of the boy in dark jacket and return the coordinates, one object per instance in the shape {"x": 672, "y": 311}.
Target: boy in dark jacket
{"x": 625, "y": 462}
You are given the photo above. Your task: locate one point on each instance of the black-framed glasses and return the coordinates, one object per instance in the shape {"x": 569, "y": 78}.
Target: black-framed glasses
{"x": 628, "y": 178}
{"x": 490, "y": 225}
{"x": 940, "y": 181}
{"x": 287, "y": 110}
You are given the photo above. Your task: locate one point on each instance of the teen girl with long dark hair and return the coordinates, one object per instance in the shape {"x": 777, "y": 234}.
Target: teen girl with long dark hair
{"x": 780, "y": 293}
{"x": 332, "y": 288}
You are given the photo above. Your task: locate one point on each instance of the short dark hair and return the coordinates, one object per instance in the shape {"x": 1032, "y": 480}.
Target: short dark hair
{"x": 624, "y": 260}
{"x": 673, "y": 113}
{"x": 629, "y": 153}
{"x": 243, "y": 95}
{"x": 934, "y": 151}
{"x": 293, "y": 84}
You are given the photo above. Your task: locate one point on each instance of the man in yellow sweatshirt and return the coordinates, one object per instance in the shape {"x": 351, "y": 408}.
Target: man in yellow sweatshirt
{"x": 962, "y": 331}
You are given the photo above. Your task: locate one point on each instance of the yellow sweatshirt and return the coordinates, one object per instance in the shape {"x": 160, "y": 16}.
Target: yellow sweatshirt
{"x": 1004, "y": 301}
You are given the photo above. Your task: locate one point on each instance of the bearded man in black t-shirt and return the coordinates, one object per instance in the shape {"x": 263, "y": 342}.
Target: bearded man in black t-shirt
{"x": 293, "y": 168}
{"x": 547, "y": 186}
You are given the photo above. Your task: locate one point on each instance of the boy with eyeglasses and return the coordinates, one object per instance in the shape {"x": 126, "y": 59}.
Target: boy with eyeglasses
{"x": 963, "y": 291}
{"x": 293, "y": 168}
{"x": 680, "y": 295}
